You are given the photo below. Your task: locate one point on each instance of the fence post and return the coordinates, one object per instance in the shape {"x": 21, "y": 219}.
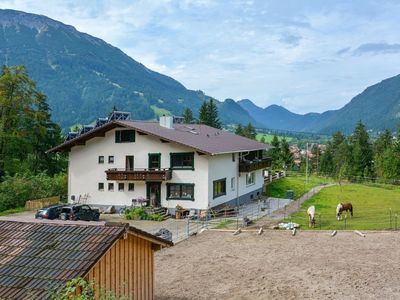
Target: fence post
{"x": 177, "y": 230}
{"x": 390, "y": 213}
{"x": 320, "y": 221}
{"x": 237, "y": 217}
{"x": 188, "y": 227}
{"x": 395, "y": 220}
{"x": 345, "y": 221}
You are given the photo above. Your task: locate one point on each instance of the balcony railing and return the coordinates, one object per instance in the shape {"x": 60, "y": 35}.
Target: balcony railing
{"x": 139, "y": 174}
{"x": 252, "y": 165}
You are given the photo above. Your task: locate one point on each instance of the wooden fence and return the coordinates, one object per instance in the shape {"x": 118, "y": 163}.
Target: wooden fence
{"x": 40, "y": 203}
{"x": 270, "y": 178}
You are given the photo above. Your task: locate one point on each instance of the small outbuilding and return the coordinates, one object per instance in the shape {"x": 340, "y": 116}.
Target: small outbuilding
{"x": 37, "y": 259}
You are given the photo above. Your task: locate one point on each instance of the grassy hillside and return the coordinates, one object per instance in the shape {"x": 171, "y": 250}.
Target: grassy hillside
{"x": 375, "y": 207}
{"x": 268, "y": 137}
{"x": 297, "y": 184}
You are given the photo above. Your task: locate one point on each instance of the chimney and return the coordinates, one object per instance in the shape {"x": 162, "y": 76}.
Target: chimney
{"x": 167, "y": 121}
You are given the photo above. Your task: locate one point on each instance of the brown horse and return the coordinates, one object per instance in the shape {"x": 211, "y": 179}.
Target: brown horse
{"x": 341, "y": 207}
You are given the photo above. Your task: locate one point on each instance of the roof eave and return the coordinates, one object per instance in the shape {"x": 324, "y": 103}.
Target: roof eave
{"x": 96, "y": 132}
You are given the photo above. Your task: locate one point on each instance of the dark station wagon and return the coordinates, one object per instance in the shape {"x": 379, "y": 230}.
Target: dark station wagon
{"x": 79, "y": 212}
{"x": 50, "y": 212}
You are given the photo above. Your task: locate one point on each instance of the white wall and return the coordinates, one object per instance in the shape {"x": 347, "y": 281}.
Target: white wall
{"x": 221, "y": 166}
{"x": 85, "y": 172}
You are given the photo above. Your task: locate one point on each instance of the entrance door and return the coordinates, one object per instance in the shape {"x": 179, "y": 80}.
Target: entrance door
{"x": 154, "y": 193}
{"x": 129, "y": 162}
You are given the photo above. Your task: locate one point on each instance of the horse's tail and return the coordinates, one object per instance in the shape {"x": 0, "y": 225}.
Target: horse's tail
{"x": 351, "y": 209}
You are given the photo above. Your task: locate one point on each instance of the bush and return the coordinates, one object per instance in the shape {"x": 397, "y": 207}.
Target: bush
{"x": 139, "y": 213}
{"x": 155, "y": 217}
{"x": 16, "y": 190}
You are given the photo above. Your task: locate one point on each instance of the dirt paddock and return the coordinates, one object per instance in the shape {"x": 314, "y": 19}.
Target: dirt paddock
{"x": 277, "y": 265}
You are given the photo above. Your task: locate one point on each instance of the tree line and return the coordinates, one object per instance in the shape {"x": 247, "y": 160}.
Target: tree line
{"x": 26, "y": 133}
{"x": 357, "y": 157}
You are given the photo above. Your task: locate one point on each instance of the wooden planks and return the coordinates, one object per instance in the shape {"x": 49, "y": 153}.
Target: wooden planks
{"x": 127, "y": 269}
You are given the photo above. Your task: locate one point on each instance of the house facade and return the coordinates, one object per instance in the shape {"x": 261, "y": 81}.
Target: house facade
{"x": 194, "y": 166}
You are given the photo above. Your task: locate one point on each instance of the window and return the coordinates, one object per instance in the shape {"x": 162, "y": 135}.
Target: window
{"x": 111, "y": 159}
{"x": 183, "y": 160}
{"x": 154, "y": 160}
{"x": 250, "y": 178}
{"x": 101, "y": 159}
{"x": 101, "y": 186}
{"x": 111, "y": 186}
{"x": 124, "y": 136}
{"x": 131, "y": 187}
{"x": 121, "y": 187}
{"x": 233, "y": 156}
{"x": 180, "y": 191}
{"x": 219, "y": 188}
{"x": 129, "y": 162}
{"x": 233, "y": 183}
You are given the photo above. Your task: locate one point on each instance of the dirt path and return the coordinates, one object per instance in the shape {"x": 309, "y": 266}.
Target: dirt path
{"x": 277, "y": 265}
{"x": 289, "y": 209}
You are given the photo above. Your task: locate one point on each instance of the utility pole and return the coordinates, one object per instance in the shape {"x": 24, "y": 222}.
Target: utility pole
{"x": 307, "y": 164}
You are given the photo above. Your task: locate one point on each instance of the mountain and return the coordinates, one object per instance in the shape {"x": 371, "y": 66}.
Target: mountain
{"x": 378, "y": 107}
{"x": 278, "y": 117}
{"x": 84, "y": 77}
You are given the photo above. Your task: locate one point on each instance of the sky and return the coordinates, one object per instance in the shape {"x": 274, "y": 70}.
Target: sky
{"x": 308, "y": 56}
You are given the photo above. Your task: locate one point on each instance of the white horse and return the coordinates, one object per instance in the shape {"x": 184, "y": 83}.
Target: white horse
{"x": 311, "y": 216}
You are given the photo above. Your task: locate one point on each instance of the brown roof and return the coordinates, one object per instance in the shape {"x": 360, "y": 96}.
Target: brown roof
{"x": 201, "y": 138}
{"x": 38, "y": 258}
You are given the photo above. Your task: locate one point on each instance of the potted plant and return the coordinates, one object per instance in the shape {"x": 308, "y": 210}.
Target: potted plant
{"x": 178, "y": 211}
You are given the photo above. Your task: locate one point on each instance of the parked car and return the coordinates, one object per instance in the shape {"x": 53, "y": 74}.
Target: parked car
{"x": 79, "y": 212}
{"x": 50, "y": 212}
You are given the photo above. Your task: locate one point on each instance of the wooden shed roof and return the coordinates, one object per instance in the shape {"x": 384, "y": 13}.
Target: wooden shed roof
{"x": 38, "y": 258}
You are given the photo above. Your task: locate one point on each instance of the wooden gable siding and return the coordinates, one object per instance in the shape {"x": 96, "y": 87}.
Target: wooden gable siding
{"x": 127, "y": 269}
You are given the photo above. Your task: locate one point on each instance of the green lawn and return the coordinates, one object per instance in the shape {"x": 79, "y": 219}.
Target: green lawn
{"x": 268, "y": 137}
{"x": 371, "y": 205}
{"x": 297, "y": 184}
{"x": 160, "y": 111}
{"x": 12, "y": 211}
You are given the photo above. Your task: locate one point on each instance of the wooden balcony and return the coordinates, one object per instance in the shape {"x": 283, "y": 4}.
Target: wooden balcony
{"x": 246, "y": 166}
{"x": 139, "y": 174}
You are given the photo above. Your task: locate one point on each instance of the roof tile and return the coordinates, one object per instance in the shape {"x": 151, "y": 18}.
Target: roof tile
{"x": 36, "y": 258}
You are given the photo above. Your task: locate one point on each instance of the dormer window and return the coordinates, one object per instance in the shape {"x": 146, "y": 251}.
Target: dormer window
{"x": 125, "y": 136}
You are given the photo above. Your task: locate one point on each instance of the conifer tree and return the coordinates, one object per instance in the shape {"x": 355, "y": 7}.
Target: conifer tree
{"x": 213, "y": 115}
{"x": 187, "y": 116}
{"x": 204, "y": 117}
{"x": 286, "y": 157}
{"x": 26, "y": 129}
{"x": 208, "y": 114}
{"x": 274, "y": 153}
{"x": 249, "y": 131}
{"x": 239, "y": 130}
{"x": 362, "y": 152}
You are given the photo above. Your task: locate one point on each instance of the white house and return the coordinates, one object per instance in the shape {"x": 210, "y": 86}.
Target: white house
{"x": 193, "y": 165}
